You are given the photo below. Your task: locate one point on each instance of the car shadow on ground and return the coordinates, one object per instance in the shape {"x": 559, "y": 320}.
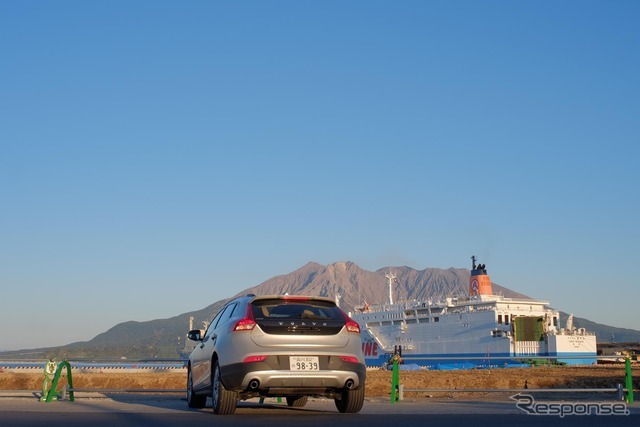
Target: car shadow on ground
{"x": 179, "y": 403}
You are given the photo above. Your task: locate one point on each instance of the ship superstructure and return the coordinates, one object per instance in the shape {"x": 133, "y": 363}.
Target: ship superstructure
{"x": 484, "y": 328}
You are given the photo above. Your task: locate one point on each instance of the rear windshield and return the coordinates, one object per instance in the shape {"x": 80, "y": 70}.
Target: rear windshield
{"x": 296, "y": 309}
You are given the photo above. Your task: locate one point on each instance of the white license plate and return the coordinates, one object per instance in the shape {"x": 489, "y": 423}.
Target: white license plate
{"x": 304, "y": 363}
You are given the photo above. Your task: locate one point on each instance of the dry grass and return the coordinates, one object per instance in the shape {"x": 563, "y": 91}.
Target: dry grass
{"x": 378, "y": 382}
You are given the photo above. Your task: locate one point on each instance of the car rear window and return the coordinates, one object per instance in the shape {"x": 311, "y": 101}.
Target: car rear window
{"x": 273, "y": 309}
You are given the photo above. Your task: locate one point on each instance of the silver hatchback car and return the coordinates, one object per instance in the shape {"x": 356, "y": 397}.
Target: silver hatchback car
{"x": 280, "y": 346}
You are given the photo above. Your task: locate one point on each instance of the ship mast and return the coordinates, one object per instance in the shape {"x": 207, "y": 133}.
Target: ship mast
{"x": 392, "y": 278}
{"x": 336, "y": 292}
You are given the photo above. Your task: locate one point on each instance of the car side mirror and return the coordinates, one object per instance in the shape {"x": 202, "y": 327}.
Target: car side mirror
{"x": 195, "y": 335}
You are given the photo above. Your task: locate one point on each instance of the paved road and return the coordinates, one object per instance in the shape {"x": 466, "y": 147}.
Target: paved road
{"x": 168, "y": 410}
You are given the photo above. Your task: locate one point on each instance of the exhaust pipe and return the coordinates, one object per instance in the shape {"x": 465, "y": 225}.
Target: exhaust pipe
{"x": 349, "y": 384}
{"x": 254, "y": 384}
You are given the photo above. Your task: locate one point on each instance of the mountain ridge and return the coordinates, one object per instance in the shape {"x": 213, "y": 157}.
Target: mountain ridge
{"x": 163, "y": 338}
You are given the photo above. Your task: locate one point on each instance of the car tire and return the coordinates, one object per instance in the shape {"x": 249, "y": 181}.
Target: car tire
{"x": 194, "y": 400}
{"x": 297, "y": 401}
{"x": 224, "y": 401}
{"x": 351, "y": 401}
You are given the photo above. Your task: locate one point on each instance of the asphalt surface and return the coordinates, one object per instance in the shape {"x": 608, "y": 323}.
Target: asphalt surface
{"x": 171, "y": 410}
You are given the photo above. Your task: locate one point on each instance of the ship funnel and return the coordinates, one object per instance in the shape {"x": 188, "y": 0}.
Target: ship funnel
{"x": 479, "y": 282}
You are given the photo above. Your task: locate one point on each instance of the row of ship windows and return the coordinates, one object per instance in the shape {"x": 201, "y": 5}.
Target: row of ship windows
{"x": 421, "y": 313}
{"x": 407, "y": 322}
{"x": 506, "y": 320}
{"x": 500, "y": 320}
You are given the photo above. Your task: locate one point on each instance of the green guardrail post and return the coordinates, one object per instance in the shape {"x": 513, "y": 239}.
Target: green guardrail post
{"x": 395, "y": 379}
{"x": 51, "y": 393}
{"x": 628, "y": 380}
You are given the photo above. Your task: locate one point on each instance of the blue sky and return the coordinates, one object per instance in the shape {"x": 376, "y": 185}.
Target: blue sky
{"x": 159, "y": 156}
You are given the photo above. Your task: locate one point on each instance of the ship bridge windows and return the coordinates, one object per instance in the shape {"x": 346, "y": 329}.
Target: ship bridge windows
{"x": 393, "y": 316}
{"x": 412, "y": 321}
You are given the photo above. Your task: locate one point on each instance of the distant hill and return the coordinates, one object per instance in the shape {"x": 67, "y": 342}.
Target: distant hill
{"x": 163, "y": 338}
{"x": 604, "y": 333}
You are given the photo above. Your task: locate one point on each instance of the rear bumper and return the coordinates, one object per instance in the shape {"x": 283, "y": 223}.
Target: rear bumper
{"x": 239, "y": 377}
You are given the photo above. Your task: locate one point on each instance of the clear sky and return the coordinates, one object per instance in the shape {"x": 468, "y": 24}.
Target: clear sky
{"x": 158, "y": 156}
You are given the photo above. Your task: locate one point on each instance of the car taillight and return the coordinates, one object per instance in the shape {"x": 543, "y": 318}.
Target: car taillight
{"x": 252, "y": 359}
{"x": 244, "y": 325}
{"x": 247, "y": 323}
{"x": 349, "y": 359}
{"x": 351, "y": 325}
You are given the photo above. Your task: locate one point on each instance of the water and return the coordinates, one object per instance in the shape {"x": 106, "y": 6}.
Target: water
{"x": 40, "y": 364}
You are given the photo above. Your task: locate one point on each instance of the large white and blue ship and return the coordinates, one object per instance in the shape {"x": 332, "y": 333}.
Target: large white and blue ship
{"x": 478, "y": 329}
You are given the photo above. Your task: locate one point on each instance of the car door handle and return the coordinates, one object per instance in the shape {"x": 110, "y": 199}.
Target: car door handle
{"x": 212, "y": 338}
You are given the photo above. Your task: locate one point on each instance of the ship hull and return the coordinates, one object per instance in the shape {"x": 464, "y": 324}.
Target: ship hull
{"x": 557, "y": 349}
